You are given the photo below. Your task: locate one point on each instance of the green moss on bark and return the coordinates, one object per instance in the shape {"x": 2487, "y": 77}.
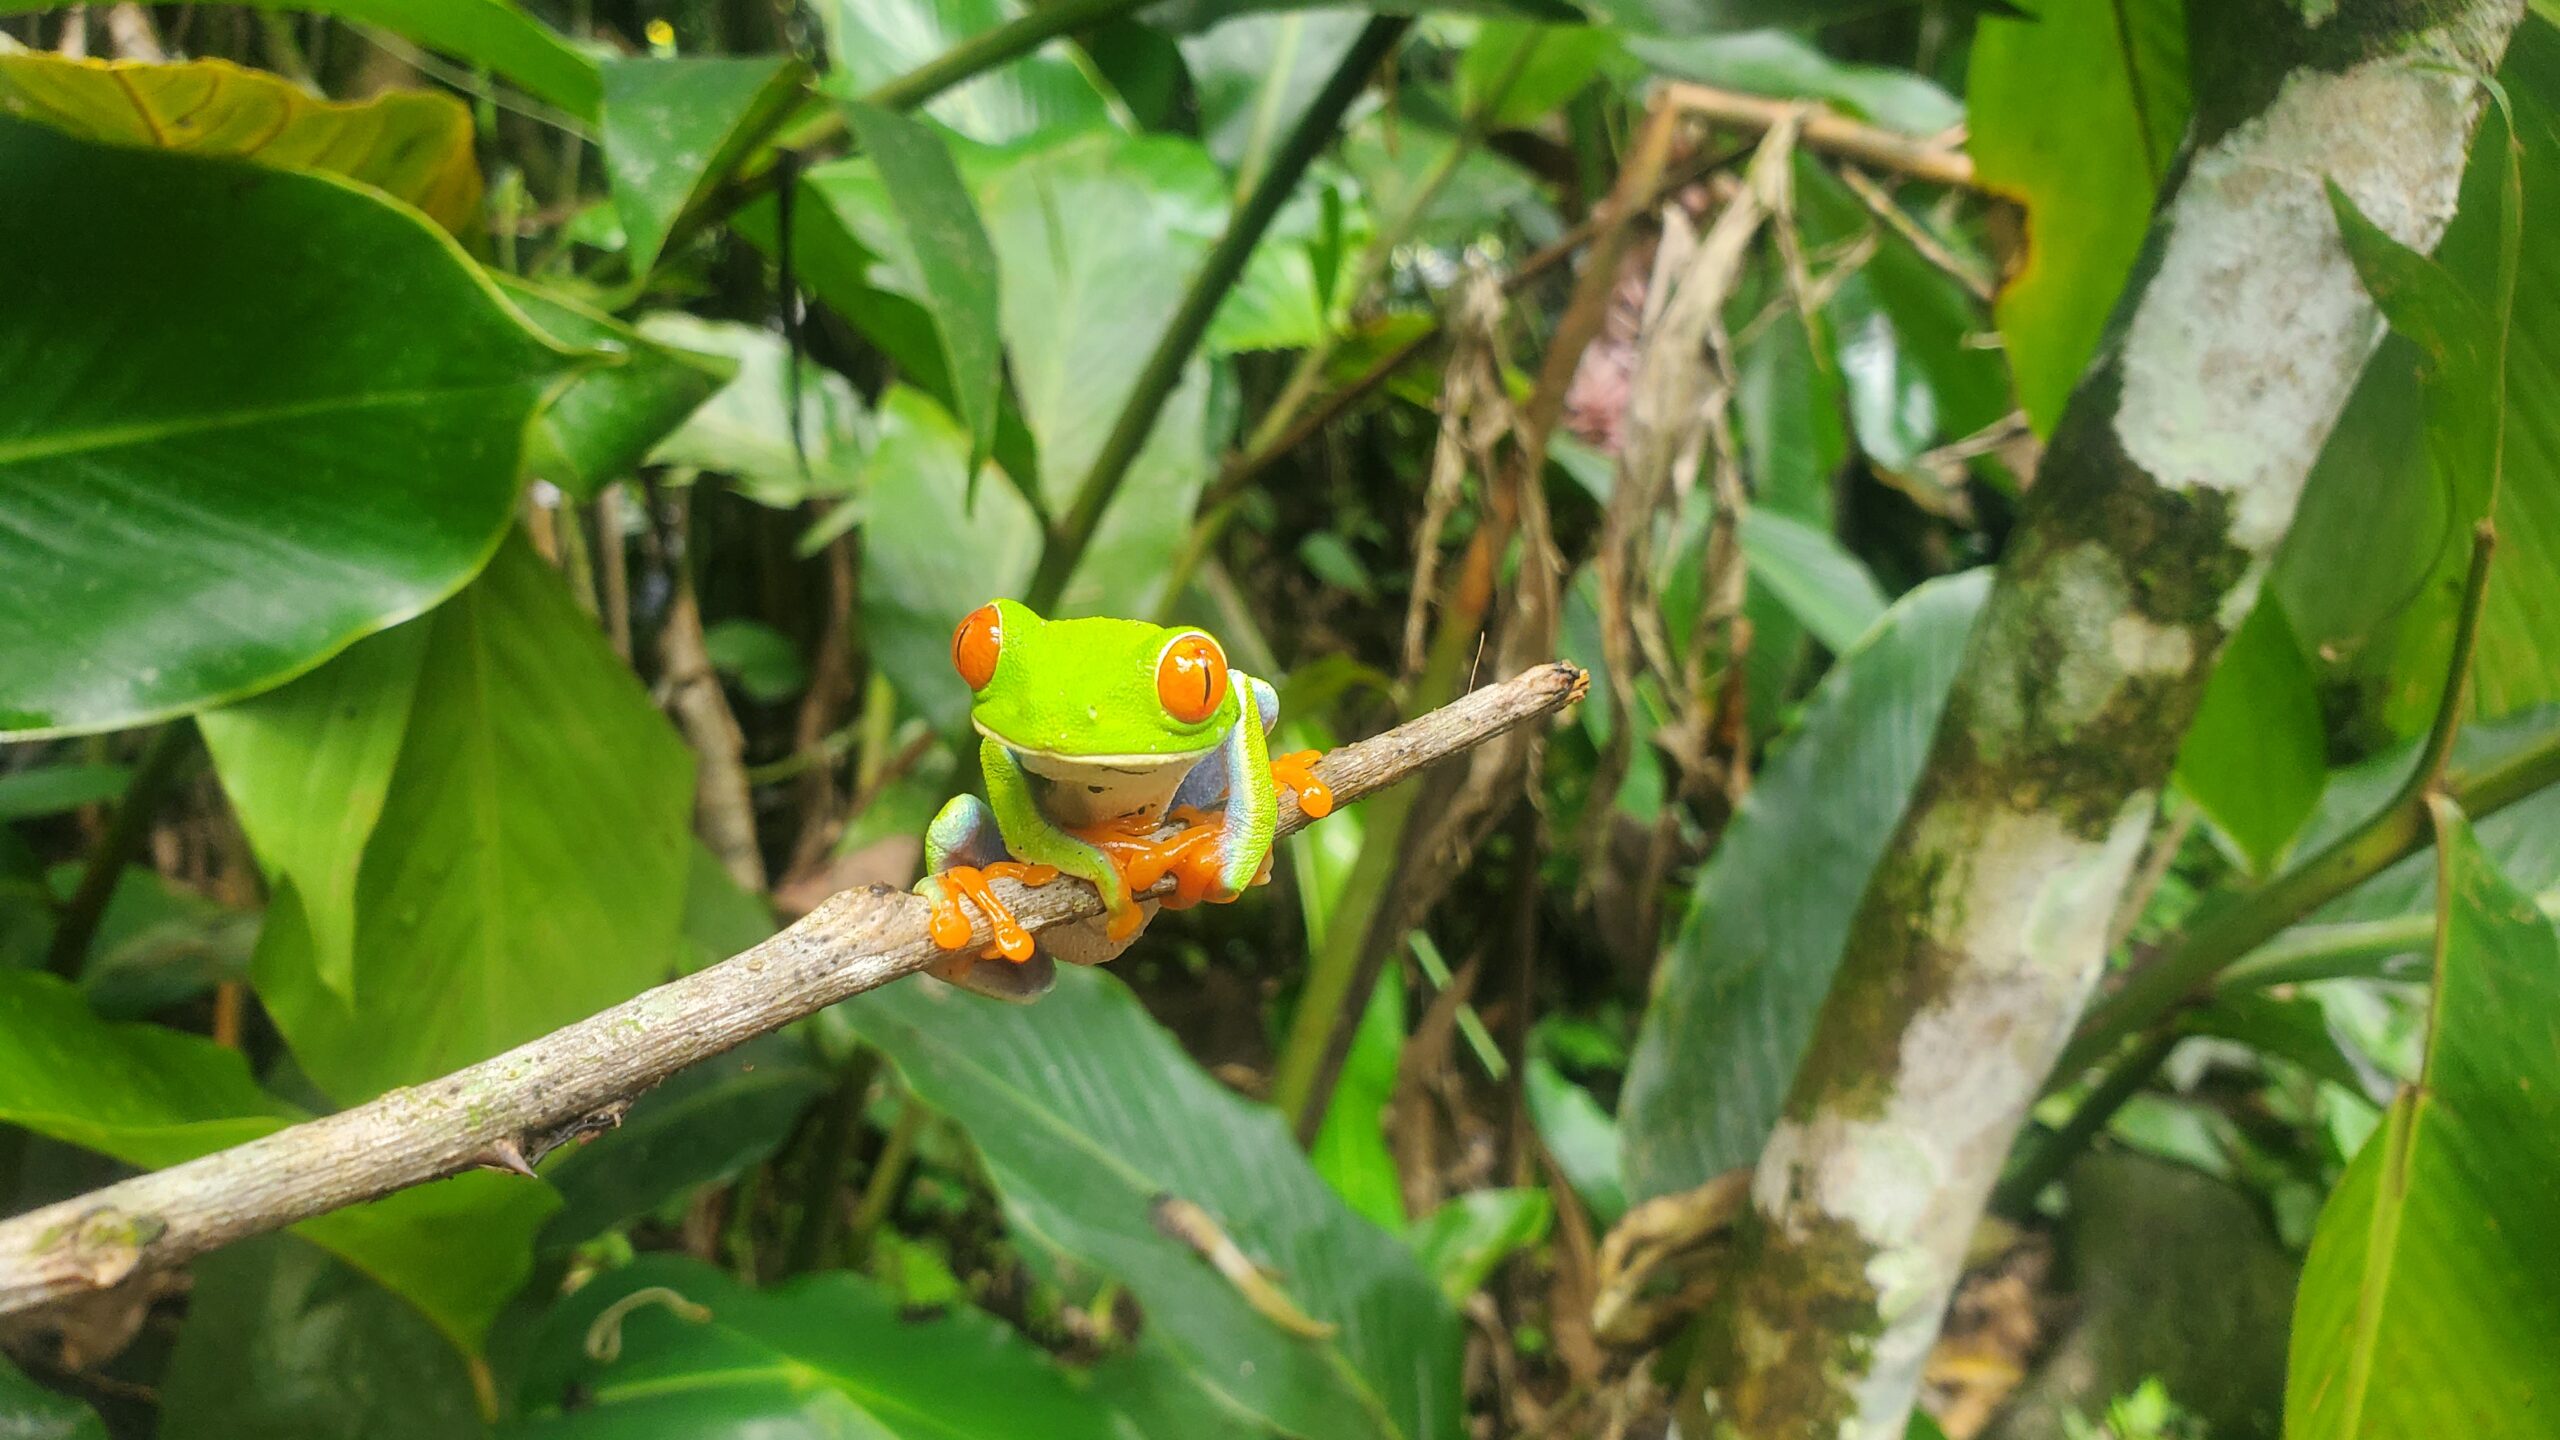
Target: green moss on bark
{"x": 1784, "y": 1349}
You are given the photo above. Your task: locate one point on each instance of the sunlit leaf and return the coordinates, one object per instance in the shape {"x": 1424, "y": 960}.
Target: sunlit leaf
{"x": 193, "y": 531}
{"x": 951, "y": 251}
{"x": 603, "y": 425}
{"x": 744, "y": 430}
{"x": 1814, "y": 576}
{"x": 876, "y": 41}
{"x": 674, "y": 128}
{"x": 413, "y": 145}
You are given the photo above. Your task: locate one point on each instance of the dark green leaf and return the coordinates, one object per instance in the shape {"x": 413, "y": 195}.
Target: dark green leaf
{"x": 1745, "y": 972}
{"x": 705, "y": 1125}
{"x": 1469, "y": 1234}
{"x": 485, "y": 32}
{"x": 825, "y": 1356}
{"x": 151, "y": 1097}
{"x": 284, "y": 1343}
{"x": 603, "y": 425}
{"x": 2255, "y": 758}
{"x": 158, "y": 943}
{"x": 2423, "y": 1309}
{"x": 762, "y": 659}
{"x": 1351, "y": 1146}
{"x": 675, "y": 128}
{"x": 52, "y": 789}
{"x": 1561, "y": 60}
{"x": 2295, "y": 1031}
{"x": 1088, "y": 1114}
{"x": 1786, "y": 66}
{"x": 200, "y": 531}
{"x": 28, "y": 1411}
{"x": 413, "y": 145}
{"x": 2087, "y": 186}
{"x": 1810, "y": 573}
{"x": 1580, "y": 1135}
{"x": 527, "y": 868}
{"x": 951, "y": 251}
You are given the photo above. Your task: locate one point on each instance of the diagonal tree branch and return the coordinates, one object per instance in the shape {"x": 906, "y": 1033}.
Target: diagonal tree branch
{"x": 522, "y": 1104}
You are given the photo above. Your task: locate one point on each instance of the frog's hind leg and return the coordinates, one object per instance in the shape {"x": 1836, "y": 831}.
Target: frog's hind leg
{"x": 964, "y": 838}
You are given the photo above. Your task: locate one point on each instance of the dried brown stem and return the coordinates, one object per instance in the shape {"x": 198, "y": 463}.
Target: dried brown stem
{"x": 549, "y": 1090}
{"x": 1829, "y": 132}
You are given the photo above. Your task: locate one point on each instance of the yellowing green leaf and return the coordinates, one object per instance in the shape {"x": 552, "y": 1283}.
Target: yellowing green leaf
{"x": 413, "y": 145}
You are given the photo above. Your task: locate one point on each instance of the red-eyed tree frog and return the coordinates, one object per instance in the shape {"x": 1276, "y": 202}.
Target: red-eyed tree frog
{"x": 1116, "y": 752}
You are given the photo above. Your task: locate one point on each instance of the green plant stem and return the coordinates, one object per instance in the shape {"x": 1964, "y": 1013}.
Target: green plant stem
{"x": 2050, "y": 1152}
{"x": 1309, "y": 371}
{"x": 888, "y": 1175}
{"x": 1155, "y": 384}
{"x": 2346, "y": 950}
{"x": 830, "y": 1151}
{"x": 77, "y": 925}
{"x": 2399, "y": 829}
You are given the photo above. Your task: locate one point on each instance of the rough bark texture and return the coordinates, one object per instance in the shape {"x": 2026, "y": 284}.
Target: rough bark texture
{"x": 2172, "y": 475}
{"x": 521, "y": 1104}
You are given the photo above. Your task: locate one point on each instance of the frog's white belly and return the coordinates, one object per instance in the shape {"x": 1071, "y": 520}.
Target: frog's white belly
{"x": 1076, "y": 792}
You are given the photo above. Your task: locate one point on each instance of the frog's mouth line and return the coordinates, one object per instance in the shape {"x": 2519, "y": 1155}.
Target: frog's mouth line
{"x": 1033, "y": 756}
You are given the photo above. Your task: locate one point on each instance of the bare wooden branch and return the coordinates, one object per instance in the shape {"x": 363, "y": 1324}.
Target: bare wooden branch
{"x": 1830, "y": 132}
{"x": 544, "y": 1093}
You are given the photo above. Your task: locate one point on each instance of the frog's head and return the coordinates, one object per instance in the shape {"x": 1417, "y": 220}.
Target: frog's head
{"x": 1117, "y": 694}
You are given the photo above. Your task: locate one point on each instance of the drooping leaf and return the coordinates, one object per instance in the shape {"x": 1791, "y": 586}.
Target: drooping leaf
{"x": 158, "y": 943}
{"x": 1795, "y": 437}
{"x": 1461, "y": 1242}
{"x": 28, "y": 1411}
{"x": 1746, "y": 971}
{"x": 152, "y": 1097}
{"x": 1813, "y": 575}
{"x": 413, "y": 145}
{"x": 760, "y": 658}
{"x": 2422, "y": 1310}
{"x": 1533, "y": 68}
{"x": 52, "y": 789}
{"x": 1786, "y": 66}
{"x": 527, "y": 868}
{"x": 2254, "y": 758}
{"x": 196, "y": 532}
{"x": 1351, "y": 1145}
{"x": 1090, "y": 1117}
{"x": 2086, "y": 187}
{"x": 951, "y": 249}
{"x": 695, "y": 1354}
{"x": 706, "y": 1124}
{"x": 931, "y": 557}
{"x": 1254, "y": 74}
{"x": 604, "y": 424}
{"x": 1581, "y": 1136}
{"x": 744, "y": 430}
{"x": 675, "y": 127}
{"x": 2372, "y": 572}
{"x": 485, "y": 32}
{"x": 875, "y": 41}
{"x": 282, "y": 1342}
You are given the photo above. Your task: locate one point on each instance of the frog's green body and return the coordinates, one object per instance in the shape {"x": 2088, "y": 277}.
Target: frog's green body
{"x": 1077, "y": 734}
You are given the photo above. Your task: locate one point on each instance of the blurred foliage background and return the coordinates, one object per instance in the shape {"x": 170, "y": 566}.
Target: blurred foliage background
{"x": 484, "y": 494}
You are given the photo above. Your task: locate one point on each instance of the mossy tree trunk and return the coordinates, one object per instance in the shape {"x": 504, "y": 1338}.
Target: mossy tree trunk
{"x": 2172, "y": 475}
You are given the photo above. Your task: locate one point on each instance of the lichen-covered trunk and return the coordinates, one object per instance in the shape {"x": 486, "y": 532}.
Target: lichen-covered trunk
{"x": 2171, "y": 477}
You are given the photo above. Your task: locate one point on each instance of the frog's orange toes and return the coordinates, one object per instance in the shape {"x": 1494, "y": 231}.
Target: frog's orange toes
{"x": 950, "y": 923}
{"x": 1189, "y": 855}
{"x": 1297, "y": 771}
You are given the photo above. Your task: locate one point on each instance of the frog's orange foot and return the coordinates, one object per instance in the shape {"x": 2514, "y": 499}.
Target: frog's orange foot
{"x": 1189, "y": 855}
{"x": 1298, "y": 772}
{"x": 950, "y": 925}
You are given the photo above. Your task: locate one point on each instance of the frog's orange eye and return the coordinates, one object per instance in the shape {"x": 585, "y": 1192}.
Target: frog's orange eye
{"x": 1191, "y": 677}
{"x": 975, "y": 645}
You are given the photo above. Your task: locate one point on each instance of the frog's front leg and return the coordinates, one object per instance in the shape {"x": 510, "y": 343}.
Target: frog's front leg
{"x": 963, "y": 850}
{"x": 1217, "y": 855}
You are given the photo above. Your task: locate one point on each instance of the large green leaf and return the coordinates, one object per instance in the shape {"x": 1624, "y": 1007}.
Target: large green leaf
{"x": 2255, "y": 758}
{"x": 282, "y": 1342}
{"x": 744, "y": 430}
{"x": 152, "y": 1097}
{"x": 1252, "y": 76}
{"x": 827, "y": 1355}
{"x": 2423, "y": 1308}
{"x": 414, "y": 145}
{"x": 2372, "y": 571}
{"x": 604, "y": 424}
{"x": 1813, "y": 575}
{"x": 2086, "y": 187}
{"x": 527, "y": 867}
{"x": 951, "y": 251}
{"x": 1089, "y": 1117}
{"x": 876, "y": 41}
{"x": 931, "y": 554}
{"x": 312, "y": 432}
{"x": 28, "y": 1411}
{"x": 674, "y": 128}
{"x": 1742, "y": 978}
{"x": 485, "y": 32}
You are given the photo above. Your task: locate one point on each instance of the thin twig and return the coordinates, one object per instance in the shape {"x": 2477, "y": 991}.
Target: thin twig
{"x": 536, "y": 1096}
{"x": 1200, "y": 300}
{"x": 1830, "y": 132}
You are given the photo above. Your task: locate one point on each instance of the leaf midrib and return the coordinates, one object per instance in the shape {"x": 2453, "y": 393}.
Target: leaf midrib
{"x": 111, "y": 437}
